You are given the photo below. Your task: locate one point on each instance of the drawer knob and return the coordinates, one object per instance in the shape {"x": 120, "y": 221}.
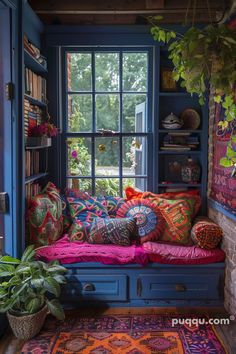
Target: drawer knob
{"x": 180, "y": 287}
{"x": 89, "y": 287}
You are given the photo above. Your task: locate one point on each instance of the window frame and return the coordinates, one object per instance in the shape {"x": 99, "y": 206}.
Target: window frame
{"x": 149, "y": 134}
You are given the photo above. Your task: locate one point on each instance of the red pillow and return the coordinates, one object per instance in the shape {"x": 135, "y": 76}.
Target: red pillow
{"x": 149, "y": 219}
{"x": 173, "y": 254}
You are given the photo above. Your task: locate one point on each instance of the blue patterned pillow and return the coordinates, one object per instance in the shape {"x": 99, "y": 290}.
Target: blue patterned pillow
{"x": 115, "y": 231}
{"x": 86, "y": 209}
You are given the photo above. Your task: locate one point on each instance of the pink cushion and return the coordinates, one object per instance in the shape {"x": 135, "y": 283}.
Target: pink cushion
{"x": 173, "y": 254}
{"x": 72, "y": 252}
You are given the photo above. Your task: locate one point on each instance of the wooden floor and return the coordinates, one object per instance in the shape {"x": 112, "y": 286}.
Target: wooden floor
{"x": 10, "y": 345}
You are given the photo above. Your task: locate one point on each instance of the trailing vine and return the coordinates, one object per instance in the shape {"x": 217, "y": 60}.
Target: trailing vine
{"x": 202, "y": 58}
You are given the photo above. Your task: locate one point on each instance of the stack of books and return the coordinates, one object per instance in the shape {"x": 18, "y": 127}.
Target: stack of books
{"x": 33, "y": 115}
{"x": 180, "y": 141}
{"x": 34, "y": 51}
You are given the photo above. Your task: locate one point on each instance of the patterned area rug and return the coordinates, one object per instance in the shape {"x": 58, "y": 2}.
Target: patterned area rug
{"x": 124, "y": 334}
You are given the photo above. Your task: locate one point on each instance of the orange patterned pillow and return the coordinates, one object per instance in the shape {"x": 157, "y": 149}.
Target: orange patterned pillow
{"x": 205, "y": 233}
{"x": 178, "y": 215}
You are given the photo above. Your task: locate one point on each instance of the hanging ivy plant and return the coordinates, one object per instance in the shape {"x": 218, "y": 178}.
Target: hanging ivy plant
{"x": 203, "y": 57}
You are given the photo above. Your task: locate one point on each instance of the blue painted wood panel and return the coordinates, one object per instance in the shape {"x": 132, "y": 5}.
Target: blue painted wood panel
{"x": 152, "y": 285}
{"x": 178, "y": 286}
{"x": 97, "y": 287}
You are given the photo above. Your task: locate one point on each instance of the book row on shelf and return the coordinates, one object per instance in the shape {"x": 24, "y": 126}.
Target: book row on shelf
{"x": 31, "y": 163}
{"x": 33, "y": 115}
{"x": 32, "y": 189}
{"x": 35, "y": 86}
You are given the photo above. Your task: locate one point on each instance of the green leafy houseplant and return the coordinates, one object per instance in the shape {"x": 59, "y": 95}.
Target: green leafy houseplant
{"x": 27, "y": 285}
{"x": 203, "y": 57}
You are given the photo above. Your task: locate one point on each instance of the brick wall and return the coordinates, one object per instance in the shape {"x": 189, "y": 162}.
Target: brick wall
{"x": 229, "y": 246}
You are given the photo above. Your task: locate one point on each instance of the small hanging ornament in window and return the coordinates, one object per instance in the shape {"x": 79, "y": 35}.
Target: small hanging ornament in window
{"x": 101, "y": 147}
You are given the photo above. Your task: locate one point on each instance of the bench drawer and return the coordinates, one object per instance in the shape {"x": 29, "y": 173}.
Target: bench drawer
{"x": 96, "y": 287}
{"x": 174, "y": 286}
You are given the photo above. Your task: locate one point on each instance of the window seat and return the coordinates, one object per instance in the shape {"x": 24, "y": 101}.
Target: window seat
{"x": 134, "y": 276}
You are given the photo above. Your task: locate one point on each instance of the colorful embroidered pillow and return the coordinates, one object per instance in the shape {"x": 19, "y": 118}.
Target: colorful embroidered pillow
{"x": 115, "y": 231}
{"x": 44, "y": 217}
{"x": 191, "y": 196}
{"x": 79, "y": 231}
{"x": 149, "y": 219}
{"x": 86, "y": 210}
{"x": 178, "y": 215}
{"x": 205, "y": 233}
{"x": 111, "y": 203}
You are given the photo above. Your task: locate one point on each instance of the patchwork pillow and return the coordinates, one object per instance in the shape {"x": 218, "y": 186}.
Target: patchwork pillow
{"x": 79, "y": 231}
{"x": 44, "y": 217}
{"x": 86, "y": 209}
{"x": 178, "y": 215}
{"x": 205, "y": 233}
{"x": 149, "y": 219}
{"x": 115, "y": 231}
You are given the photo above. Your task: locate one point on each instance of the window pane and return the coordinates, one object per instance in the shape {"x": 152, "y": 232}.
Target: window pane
{"x": 134, "y": 156}
{"x": 140, "y": 183}
{"x": 107, "y": 112}
{"x": 135, "y": 71}
{"x": 83, "y": 184}
{"x": 79, "y": 113}
{"x": 79, "y": 156}
{"x": 107, "y": 186}
{"x": 134, "y": 113}
{"x": 79, "y": 72}
{"x": 107, "y": 71}
{"x": 107, "y": 156}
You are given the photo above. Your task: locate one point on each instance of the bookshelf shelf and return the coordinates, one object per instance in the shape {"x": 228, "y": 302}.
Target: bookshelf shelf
{"x": 179, "y": 152}
{"x": 174, "y": 94}
{"x": 35, "y": 177}
{"x": 35, "y": 102}
{"x": 36, "y": 147}
{"x": 180, "y": 131}
{"x": 179, "y": 185}
{"x": 33, "y": 64}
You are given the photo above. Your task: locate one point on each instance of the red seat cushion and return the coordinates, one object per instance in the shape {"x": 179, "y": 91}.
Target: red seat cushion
{"x": 173, "y": 254}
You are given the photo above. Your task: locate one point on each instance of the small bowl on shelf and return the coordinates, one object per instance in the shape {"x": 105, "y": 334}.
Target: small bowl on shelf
{"x": 172, "y": 122}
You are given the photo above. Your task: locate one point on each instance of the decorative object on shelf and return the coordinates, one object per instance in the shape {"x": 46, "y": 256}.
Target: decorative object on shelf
{"x": 167, "y": 81}
{"x": 200, "y": 56}
{"x": 191, "y": 119}
{"x": 190, "y": 172}
{"x": 40, "y": 135}
{"x": 172, "y": 122}
{"x": 29, "y": 291}
{"x": 179, "y": 142}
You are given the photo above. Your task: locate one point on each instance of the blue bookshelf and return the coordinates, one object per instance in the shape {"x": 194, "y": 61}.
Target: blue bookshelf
{"x": 32, "y": 63}
{"x": 35, "y": 102}
{"x": 176, "y": 102}
{"x": 36, "y": 177}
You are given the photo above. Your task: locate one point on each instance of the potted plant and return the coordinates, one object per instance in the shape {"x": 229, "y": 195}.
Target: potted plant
{"x": 203, "y": 58}
{"x": 40, "y": 135}
{"x": 29, "y": 290}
